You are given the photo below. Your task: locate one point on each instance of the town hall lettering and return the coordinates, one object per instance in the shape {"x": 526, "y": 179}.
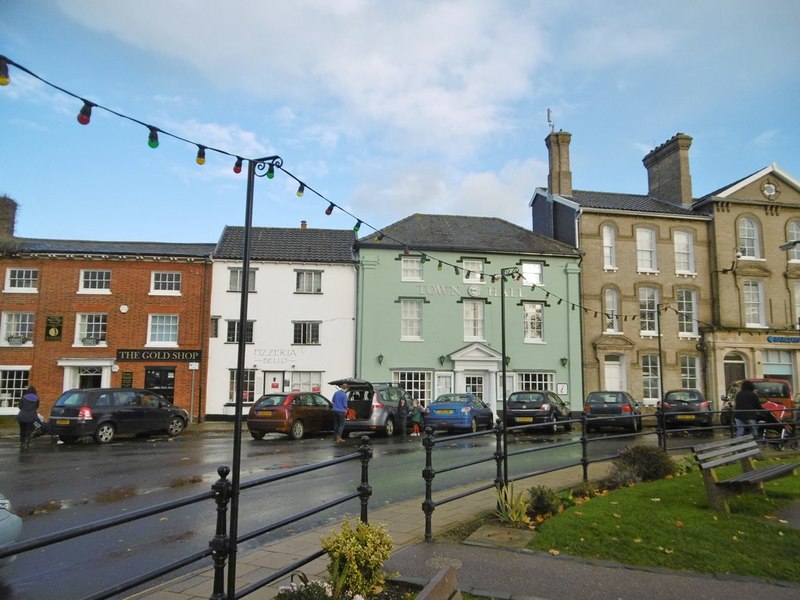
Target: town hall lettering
{"x": 458, "y": 291}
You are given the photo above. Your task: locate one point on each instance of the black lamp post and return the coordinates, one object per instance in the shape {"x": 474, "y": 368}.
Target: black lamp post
{"x": 514, "y": 272}
{"x": 255, "y": 167}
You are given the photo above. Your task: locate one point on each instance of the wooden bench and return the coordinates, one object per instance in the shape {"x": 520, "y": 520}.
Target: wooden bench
{"x": 743, "y": 450}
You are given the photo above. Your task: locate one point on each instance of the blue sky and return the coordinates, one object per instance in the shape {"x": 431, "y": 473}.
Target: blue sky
{"x": 385, "y": 108}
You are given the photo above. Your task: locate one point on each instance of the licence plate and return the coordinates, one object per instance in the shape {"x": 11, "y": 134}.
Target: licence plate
{"x": 525, "y": 419}
{"x": 686, "y": 417}
{"x": 265, "y": 413}
{"x": 62, "y": 421}
{"x": 447, "y": 411}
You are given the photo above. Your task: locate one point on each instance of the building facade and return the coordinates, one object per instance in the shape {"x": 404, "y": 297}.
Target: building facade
{"x": 435, "y": 292}
{"x": 300, "y": 326}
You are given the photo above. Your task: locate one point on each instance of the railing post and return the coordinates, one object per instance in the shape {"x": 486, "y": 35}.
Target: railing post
{"x": 498, "y": 453}
{"x": 661, "y": 428}
{"x": 428, "y": 473}
{"x": 364, "y": 488}
{"x": 220, "y": 544}
{"x": 585, "y": 447}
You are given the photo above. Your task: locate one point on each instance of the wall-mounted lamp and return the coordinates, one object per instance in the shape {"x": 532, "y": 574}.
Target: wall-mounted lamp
{"x": 508, "y": 360}
{"x": 737, "y": 254}
{"x": 380, "y": 359}
{"x": 789, "y": 245}
{"x": 442, "y": 358}
{"x": 564, "y": 361}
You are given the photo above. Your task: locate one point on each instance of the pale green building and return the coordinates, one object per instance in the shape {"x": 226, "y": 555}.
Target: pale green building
{"x": 431, "y": 303}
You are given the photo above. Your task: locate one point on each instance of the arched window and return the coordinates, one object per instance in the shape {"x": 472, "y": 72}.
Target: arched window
{"x": 609, "y": 247}
{"x": 793, "y": 233}
{"x": 749, "y": 238}
{"x": 611, "y": 310}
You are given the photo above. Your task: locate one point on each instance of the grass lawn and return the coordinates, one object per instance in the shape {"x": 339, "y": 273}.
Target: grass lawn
{"x": 667, "y": 523}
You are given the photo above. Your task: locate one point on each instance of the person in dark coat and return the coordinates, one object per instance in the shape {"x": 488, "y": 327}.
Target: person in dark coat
{"x": 27, "y": 415}
{"x": 745, "y": 406}
{"x": 402, "y": 416}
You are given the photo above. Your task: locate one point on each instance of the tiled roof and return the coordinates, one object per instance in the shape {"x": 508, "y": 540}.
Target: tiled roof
{"x": 626, "y": 202}
{"x": 288, "y": 244}
{"x": 464, "y": 234}
{"x": 82, "y": 247}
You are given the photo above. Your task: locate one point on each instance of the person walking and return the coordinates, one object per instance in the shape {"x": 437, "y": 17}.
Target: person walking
{"x": 27, "y": 415}
{"x": 417, "y": 417}
{"x": 745, "y": 405}
{"x": 340, "y": 410}
{"x": 402, "y": 416}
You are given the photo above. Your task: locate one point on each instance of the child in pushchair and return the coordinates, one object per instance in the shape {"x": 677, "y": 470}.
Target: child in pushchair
{"x": 39, "y": 426}
{"x": 777, "y": 425}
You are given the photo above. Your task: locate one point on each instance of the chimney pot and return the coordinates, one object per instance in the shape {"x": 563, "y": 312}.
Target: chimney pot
{"x": 303, "y": 225}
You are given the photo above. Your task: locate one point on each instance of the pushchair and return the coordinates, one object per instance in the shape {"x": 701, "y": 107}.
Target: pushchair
{"x": 39, "y": 427}
{"x": 777, "y": 425}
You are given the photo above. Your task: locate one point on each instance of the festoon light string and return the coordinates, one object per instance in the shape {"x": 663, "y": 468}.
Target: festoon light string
{"x": 84, "y": 117}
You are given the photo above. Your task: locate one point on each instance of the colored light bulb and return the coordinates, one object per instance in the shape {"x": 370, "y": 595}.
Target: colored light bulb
{"x": 329, "y": 210}
{"x": 201, "y": 155}
{"x": 152, "y": 139}
{"x": 357, "y": 226}
{"x": 271, "y": 171}
{"x": 300, "y": 190}
{"x": 237, "y": 166}
{"x": 4, "y": 78}
{"x": 85, "y": 115}
{"x": 439, "y": 268}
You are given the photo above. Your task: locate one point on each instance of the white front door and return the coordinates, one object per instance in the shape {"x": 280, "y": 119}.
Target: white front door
{"x": 444, "y": 384}
{"x": 473, "y": 383}
{"x": 613, "y": 373}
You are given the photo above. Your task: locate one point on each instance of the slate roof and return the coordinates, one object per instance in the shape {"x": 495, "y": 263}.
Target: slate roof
{"x": 83, "y": 247}
{"x": 288, "y": 244}
{"x": 627, "y": 202}
{"x": 465, "y": 234}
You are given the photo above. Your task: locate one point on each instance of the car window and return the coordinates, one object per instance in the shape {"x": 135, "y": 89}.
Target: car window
{"x": 320, "y": 401}
{"x": 76, "y": 398}
{"x": 103, "y": 399}
{"x": 273, "y": 400}
{"x": 149, "y": 400}
{"x": 128, "y": 398}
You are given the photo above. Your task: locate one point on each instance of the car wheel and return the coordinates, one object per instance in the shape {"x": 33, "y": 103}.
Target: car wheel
{"x": 104, "y": 433}
{"x": 552, "y": 426}
{"x": 636, "y": 425}
{"x": 473, "y": 426}
{"x": 257, "y": 435}
{"x": 388, "y": 428}
{"x": 176, "y": 425}
{"x": 297, "y": 430}
{"x": 68, "y": 439}
{"x": 567, "y": 426}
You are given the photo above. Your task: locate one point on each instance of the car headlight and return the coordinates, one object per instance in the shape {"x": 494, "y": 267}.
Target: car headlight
{"x": 545, "y": 406}
{"x": 466, "y": 410}
{"x": 5, "y": 504}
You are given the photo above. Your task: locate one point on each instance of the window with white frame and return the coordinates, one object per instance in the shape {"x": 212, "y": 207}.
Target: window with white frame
{"x": 689, "y": 372}
{"x": 235, "y": 280}
{"x": 753, "y": 293}
{"x": 535, "y": 380}
{"x": 95, "y": 281}
{"x": 417, "y": 383}
{"x": 306, "y": 332}
{"x": 683, "y": 242}
{"x": 305, "y": 381}
{"x": 609, "y": 247}
{"x": 651, "y": 386}
{"x": 410, "y": 319}
{"x": 532, "y": 273}
{"x": 17, "y": 328}
{"x": 473, "y": 321}
{"x": 749, "y": 238}
{"x": 646, "y": 250}
{"x": 687, "y": 313}
{"x": 308, "y": 282}
{"x": 648, "y": 311}
{"x": 797, "y": 305}
{"x": 165, "y": 283}
{"x": 473, "y": 270}
{"x": 611, "y": 310}
{"x": 792, "y": 234}
{"x": 162, "y": 330}
{"x": 533, "y": 321}
{"x": 248, "y": 385}
{"x": 12, "y": 385}
{"x": 91, "y": 328}
{"x": 22, "y": 281}
{"x": 232, "y": 334}
{"x": 411, "y": 268}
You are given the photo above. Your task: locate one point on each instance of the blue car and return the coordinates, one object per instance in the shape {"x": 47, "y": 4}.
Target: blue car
{"x": 463, "y": 412}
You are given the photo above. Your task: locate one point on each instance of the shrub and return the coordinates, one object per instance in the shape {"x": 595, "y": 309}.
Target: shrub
{"x": 543, "y": 501}
{"x": 647, "y": 463}
{"x": 512, "y": 509}
{"x": 356, "y": 559}
{"x": 304, "y": 590}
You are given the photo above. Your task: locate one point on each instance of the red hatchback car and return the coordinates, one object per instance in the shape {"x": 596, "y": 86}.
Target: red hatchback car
{"x": 294, "y": 413}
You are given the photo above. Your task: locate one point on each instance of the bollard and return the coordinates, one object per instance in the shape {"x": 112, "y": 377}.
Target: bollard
{"x": 220, "y": 544}
{"x": 585, "y": 447}
{"x": 364, "y": 488}
{"x": 428, "y": 473}
{"x": 661, "y": 428}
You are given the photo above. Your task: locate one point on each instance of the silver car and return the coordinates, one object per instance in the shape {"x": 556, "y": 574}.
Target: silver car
{"x": 372, "y": 406}
{"x": 10, "y": 526}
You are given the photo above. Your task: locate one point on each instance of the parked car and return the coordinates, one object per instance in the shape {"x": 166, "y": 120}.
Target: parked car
{"x": 774, "y": 390}
{"x": 295, "y": 414}
{"x": 103, "y": 413}
{"x": 686, "y": 407}
{"x": 10, "y": 526}
{"x": 542, "y": 406}
{"x": 612, "y": 409}
{"x": 459, "y": 411}
{"x": 372, "y": 406}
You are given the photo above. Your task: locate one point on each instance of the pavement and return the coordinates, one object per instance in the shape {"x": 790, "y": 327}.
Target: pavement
{"x": 487, "y": 563}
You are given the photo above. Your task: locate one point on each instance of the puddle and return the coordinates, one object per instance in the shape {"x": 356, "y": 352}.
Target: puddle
{"x": 116, "y": 494}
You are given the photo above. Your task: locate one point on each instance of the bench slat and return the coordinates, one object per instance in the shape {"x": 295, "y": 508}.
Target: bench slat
{"x": 710, "y": 464}
{"x": 729, "y": 442}
{"x": 762, "y": 474}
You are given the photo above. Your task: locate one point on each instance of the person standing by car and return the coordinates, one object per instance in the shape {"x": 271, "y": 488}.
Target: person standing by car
{"x": 744, "y": 406}
{"x": 417, "y": 417}
{"x": 402, "y": 416}
{"x": 340, "y": 410}
{"x": 27, "y": 415}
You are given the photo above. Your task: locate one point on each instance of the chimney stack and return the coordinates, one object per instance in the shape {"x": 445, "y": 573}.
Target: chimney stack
{"x": 303, "y": 225}
{"x": 559, "y": 180}
{"x": 8, "y": 217}
{"x": 668, "y": 176}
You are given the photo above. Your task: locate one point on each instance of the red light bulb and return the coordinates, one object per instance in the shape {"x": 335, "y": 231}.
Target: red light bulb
{"x": 237, "y": 167}
{"x": 86, "y": 113}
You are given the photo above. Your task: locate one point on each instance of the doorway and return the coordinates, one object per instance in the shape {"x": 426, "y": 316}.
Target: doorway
{"x": 90, "y": 377}
{"x": 161, "y": 380}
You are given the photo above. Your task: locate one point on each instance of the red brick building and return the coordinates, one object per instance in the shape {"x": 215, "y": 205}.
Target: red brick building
{"x": 98, "y": 314}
